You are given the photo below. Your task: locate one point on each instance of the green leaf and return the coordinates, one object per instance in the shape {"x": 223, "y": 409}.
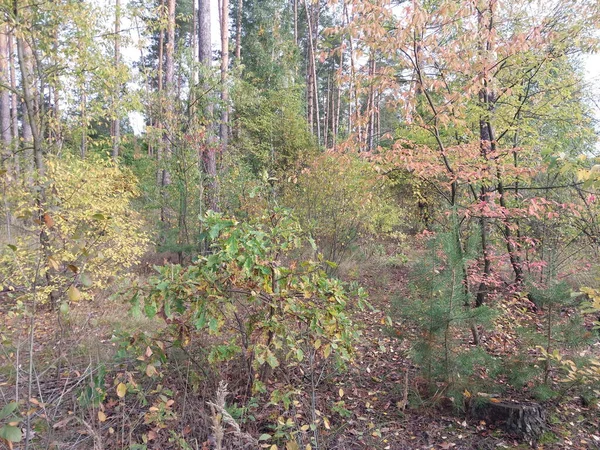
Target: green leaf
{"x": 10, "y": 433}
{"x": 8, "y": 410}
{"x": 99, "y": 216}
{"x": 64, "y": 308}
{"x": 271, "y": 359}
{"x": 214, "y": 232}
{"x": 200, "y": 321}
{"x": 213, "y": 325}
{"x": 85, "y": 280}
{"x": 264, "y": 437}
{"x": 150, "y": 310}
{"x": 12, "y": 247}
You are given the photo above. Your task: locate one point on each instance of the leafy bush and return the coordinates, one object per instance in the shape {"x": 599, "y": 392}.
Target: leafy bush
{"x": 247, "y": 301}
{"x": 338, "y": 199}
{"x": 92, "y": 233}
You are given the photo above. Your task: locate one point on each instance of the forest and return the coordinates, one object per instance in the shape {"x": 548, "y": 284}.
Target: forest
{"x": 299, "y": 224}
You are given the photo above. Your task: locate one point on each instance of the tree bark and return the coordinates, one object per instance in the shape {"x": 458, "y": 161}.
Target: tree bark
{"x": 238, "y": 33}
{"x": 224, "y": 128}
{"x": 312, "y": 19}
{"x": 487, "y": 146}
{"x": 526, "y": 420}
{"x": 83, "y": 145}
{"x": 14, "y": 105}
{"x": 30, "y": 93}
{"x": 371, "y": 105}
{"x": 209, "y": 157}
{"x": 5, "y": 101}
{"x": 56, "y": 113}
{"x": 158, "y": 119}
{"x": 116, "y": 125}
{"x": 24, "y": 58}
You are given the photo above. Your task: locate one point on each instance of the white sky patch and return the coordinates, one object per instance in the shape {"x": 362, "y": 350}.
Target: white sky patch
{"x": 592, "y": 74}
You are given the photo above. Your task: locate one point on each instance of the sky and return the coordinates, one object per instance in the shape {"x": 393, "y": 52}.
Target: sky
{"x": 592, "y": 72}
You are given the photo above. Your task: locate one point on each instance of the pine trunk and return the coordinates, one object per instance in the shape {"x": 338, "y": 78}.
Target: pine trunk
{"x": 209, "y": 157}
{"x": 224, "y": 129}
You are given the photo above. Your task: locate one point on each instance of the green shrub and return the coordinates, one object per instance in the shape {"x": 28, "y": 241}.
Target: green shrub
{"x": 338, "y": 199}
{"x": 249, "y": 301}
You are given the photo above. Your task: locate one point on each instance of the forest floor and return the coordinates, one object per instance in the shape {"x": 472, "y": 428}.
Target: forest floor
{"x": 381, "y": 391}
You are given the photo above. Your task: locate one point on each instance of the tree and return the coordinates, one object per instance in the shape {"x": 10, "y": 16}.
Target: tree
{"x": 224, "y": 128}
{"x": 5, "y": 96}
{"x": 208, "y": 150}
{"x": 116, "y": 123}
{"x": 494, "y": 64}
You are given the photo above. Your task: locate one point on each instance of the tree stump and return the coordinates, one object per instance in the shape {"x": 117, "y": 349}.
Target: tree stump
{"x": 526, "y": 420}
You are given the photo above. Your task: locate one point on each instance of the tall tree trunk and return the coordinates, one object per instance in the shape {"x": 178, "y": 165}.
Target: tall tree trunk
{"x": 209, "y": 157}
{"x": 238, "y": 33}
{"x": 312, "y": 19}
{"x": 371, "y": 105}
{"x": 14, "y": 104}
{"x": 24, "y": 57}
{"x": 158, "y": 119}
{"x": 116, "y": 125}
{"x": 327, "y": 116}
{"x": 224, "y": 128}
{"x": 487, "y": 149}
{"x": 83, "y": 146}
{"x": 295, "y": 22}
{"x": 5, "y": 101}
{"x": 353, "y": 115}
{"x": 5, "y": 124}
{"x": 30, "y": 93}
{"x": 57, "y": 125}
{"x": 170, "y": 50}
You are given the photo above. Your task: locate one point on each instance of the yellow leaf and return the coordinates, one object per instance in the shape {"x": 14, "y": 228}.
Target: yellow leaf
{"x": 121, "y": 390}
{"x": 53, "y": 263}
{"x": 341, "y": 392}
{"x": 304, "y": 427}
{"x": 317, "y": 344}
{"x": 73, "y": 294}
{"x": 326, "y": 423}
{"x": 151, "y": 370}
{"x": 291, "y": 445}
{"x": 101, "y": 416}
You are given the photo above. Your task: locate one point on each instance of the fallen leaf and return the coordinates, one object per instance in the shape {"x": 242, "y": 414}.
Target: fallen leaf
{"x": 121, "y": 390}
